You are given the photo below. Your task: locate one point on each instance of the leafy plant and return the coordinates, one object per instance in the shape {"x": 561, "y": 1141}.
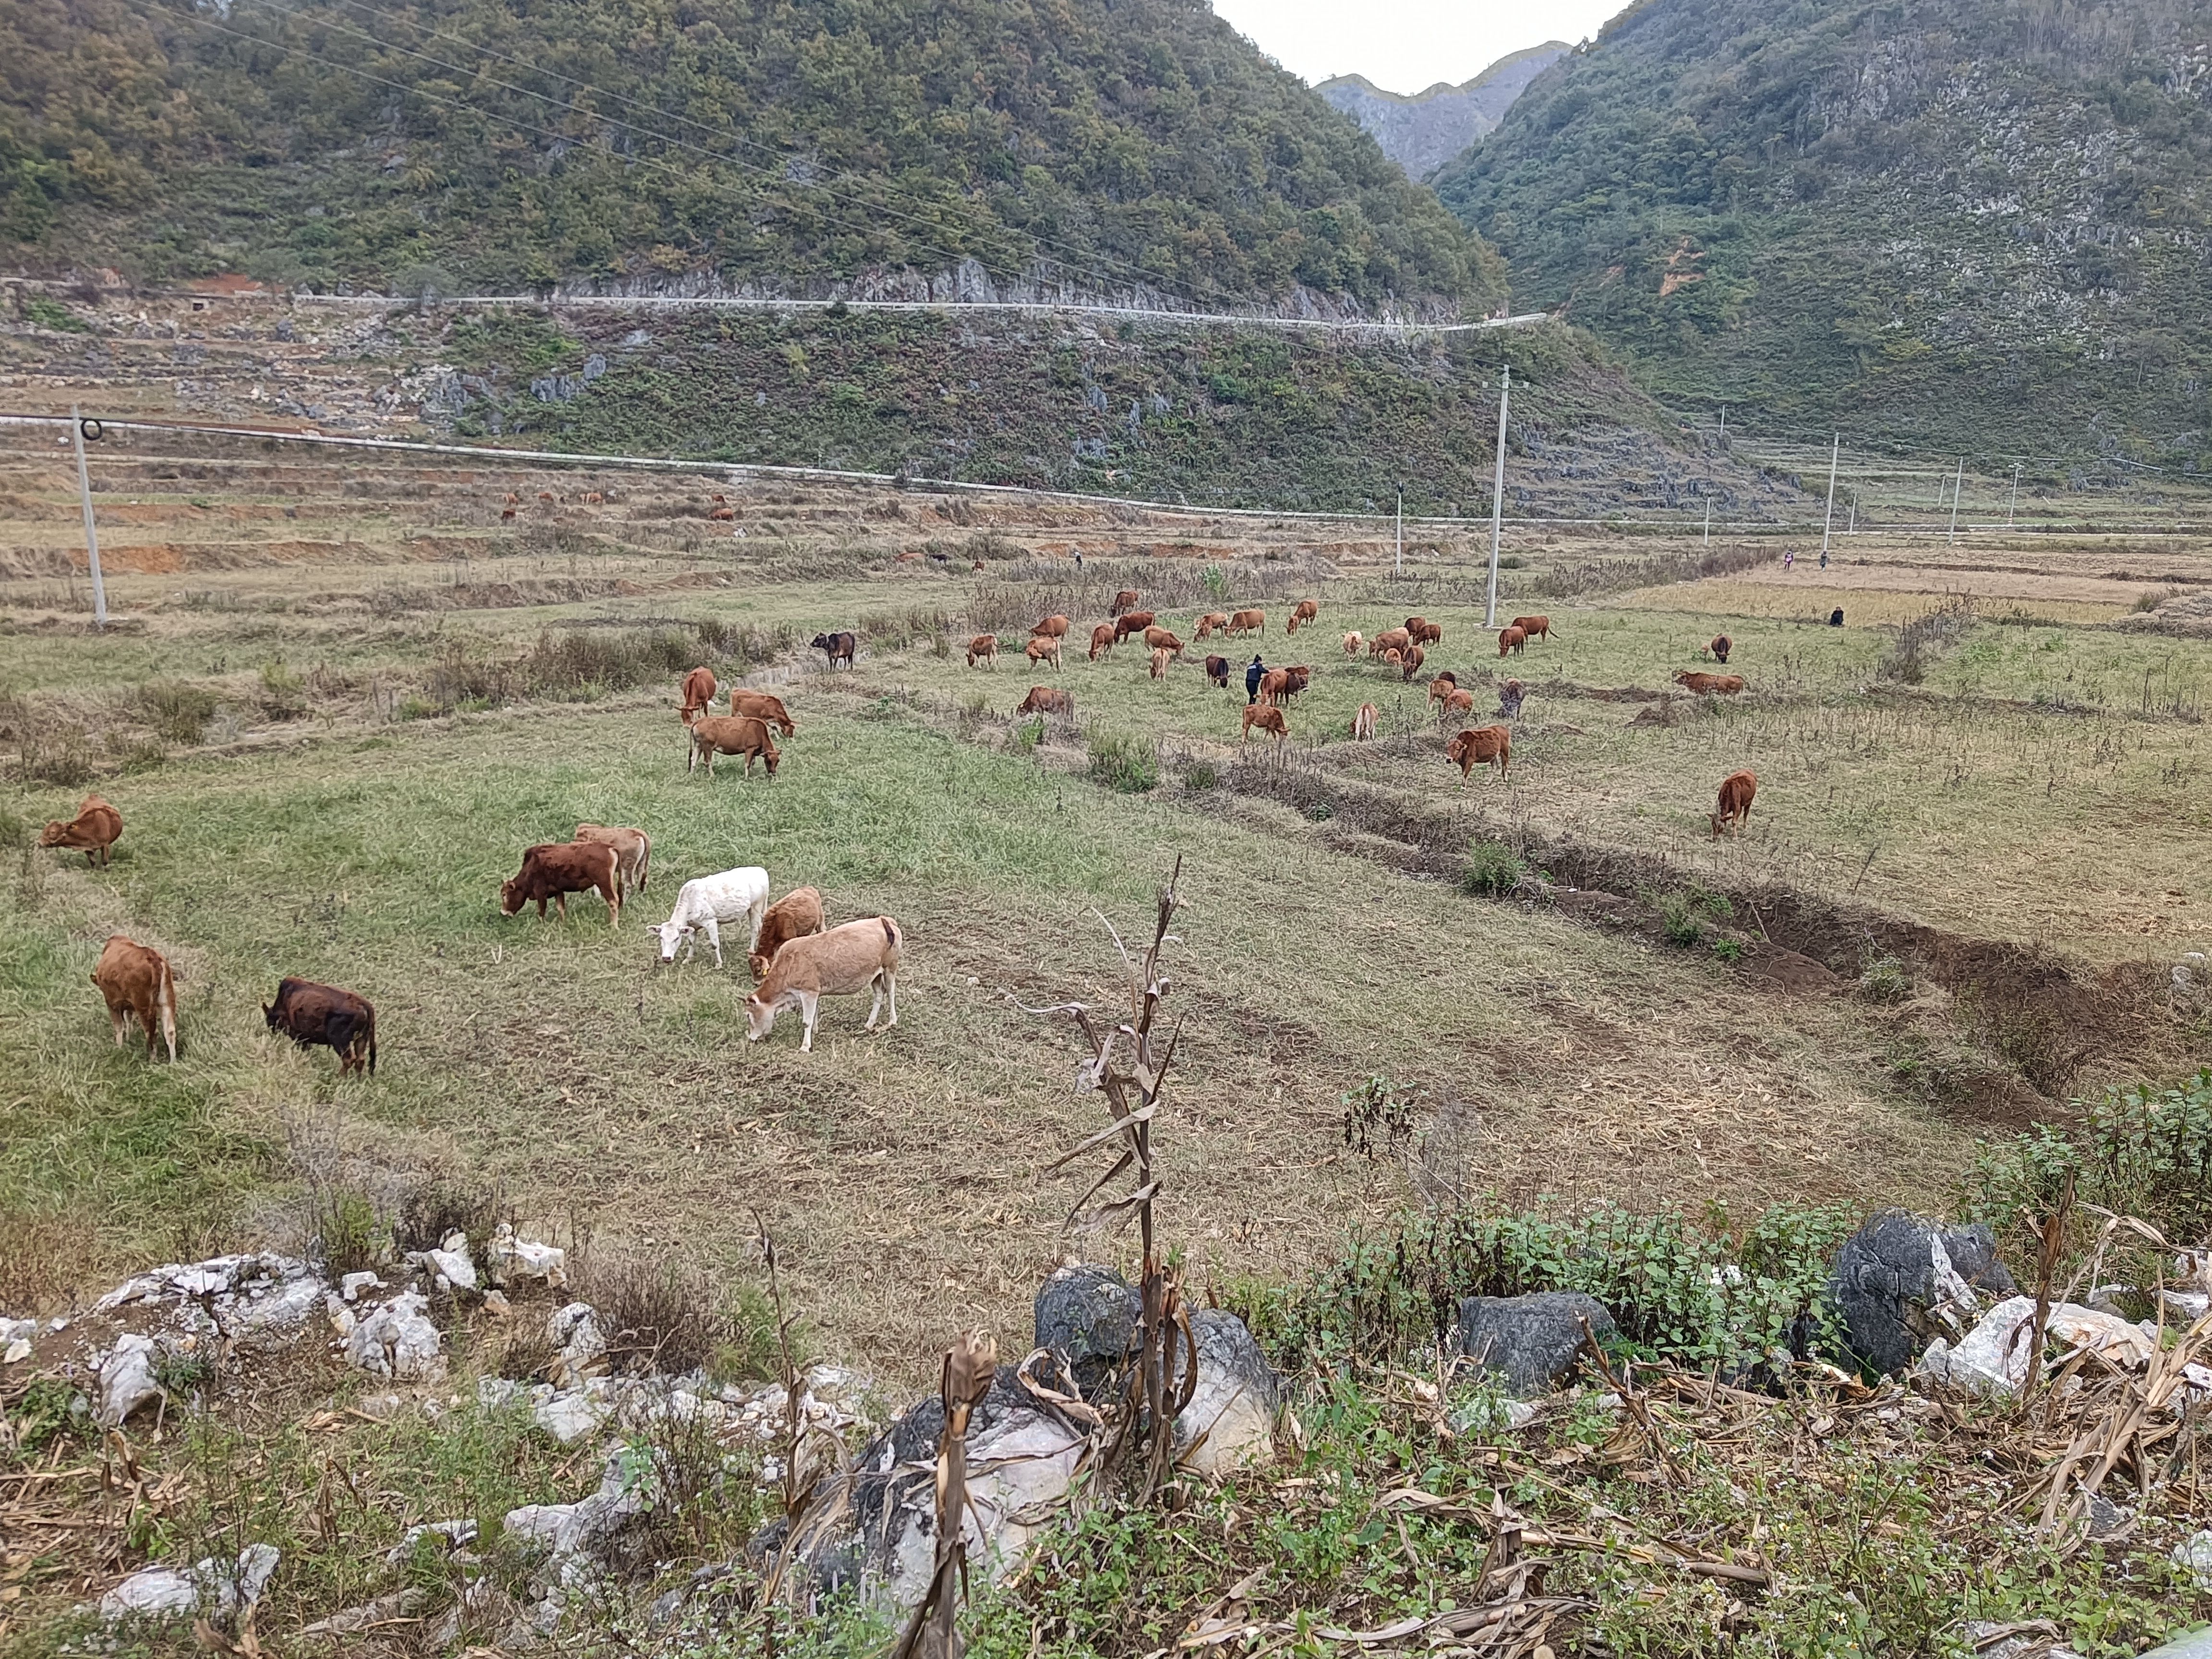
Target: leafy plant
{"x": 1023, "y": 736}
{"x": 1200, "y": 775}
{"x": 1128, "y": 765}
{"x": 1378, "y": 1108}
{"x": 52, "y": 314}
{"x": 1492, "y": 869}
{"x": 1884, "y": 979}
{"x": 1680, "y": 920}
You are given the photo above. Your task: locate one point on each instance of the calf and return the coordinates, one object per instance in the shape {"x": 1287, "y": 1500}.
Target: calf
{"x": 762, "y": 706}
{"x": 732, "y": 734}
{"x": 1043, "y": 699}
{"x": 135, "y": 982}
{"x": 861, "y": 956}
{"x": 314, "y": 1015}
{"x": 1736, "y": 792}
{"x": 1394, "y": 639}
{"x": 1720, "y": 647}
{"x": 1363, "y": 723}
{"x": 1707, "y": 685}
{"x": 1410, "y": 664}
{"x": 633, "y": 851}
{"x": 797, "y": 915}
{"x": 1301, "y": 677}
{"x": 1163, "y": 639}
{"x": 554, "y": 869}
{"x": 1132, "y": 622}
{"x": 1043, "y": 648}
{"x": 1214, "y": 622}
{"x": 1534, "y": 627}
{"x": 1511, "y": 638}
{"x": 1275, "y": 685}
{"x": 712, "y": 903}
{"x": 1102, "y": 641}
{"x": 984, "y": 647}
{"x": 1456, "y": 702}
{"x": 96, "y": 828}
{"x": 1267, "y": 718}
{"x": 1487, "y": 744}
{"x": 1216, "y": 671}
{"x": 1425, "y": 632}
{"x": 1443, "y": 686}
{"x": 1247, "y": 622}
{"x": 1161, "y": 656}
{"x": 1052, "y": 628}
{"x": 698, "y": 695}
{"x": 1305, "y": 611}
{"x": 837, "y": 645}
{"x": 1124, "y": 600}
{"x": 1351, "y": 644}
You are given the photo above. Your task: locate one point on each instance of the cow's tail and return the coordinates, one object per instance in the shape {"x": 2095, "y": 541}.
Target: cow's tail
{"x": 165, "y": 1007}
{"x": 372, "y": 1041}
{"x": 892, "y": 935}
{"x": 644, "y": 859}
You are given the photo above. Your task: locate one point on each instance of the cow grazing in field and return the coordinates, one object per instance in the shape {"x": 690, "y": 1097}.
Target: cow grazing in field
{"x": 710, "y": 903}
{"x": 1275, "y": 686}
{"x": 797, "y": 915}
{"x": 324, "y": 1016}
{"x": 1363, "y": 723}
{"x": 633, "y": 851}
{"x": 861, "y": 956}
{"x": 554, "y": 869}
{"x": 594, "y": 498}
{"x": 762, "y": 706}
{"x": 135, "y": 981}
{"x": 1351, "y": 644}
{"x": 698, "y": 695}
{"x": 1456, "y": 701}
{"x": 1392, "y": 657}
{"x": 723, "y": 512}
{"x": 1051, "y": 628}
{"x": 1043, "y": 699}
{"x": 95, "y": 829}
{"x": 1267, "y": 719}
{"x": 1394, "y": 639}
{"x": 507, "y": 509}
{"x": 1443, "y": 685}
{"x": 1043, "y": 648}
{"x": 1246, "y": 621}
{"x": 1212, "y": 622}
{"x": 1102, "y": 641}
{"x": 1489, "y": 745}
{"x": 1534, "y": 627}
{"x": 1132, "y": 622}
{"x": 1163, "y": 639}
{"x": 1217, "y": 672}
{"x": 837, "y": 645}
{"x": 1124, "y": 600}
{"x": 1736, "y": 792}
{"x": 1410, "y": 663}
{"x": 1160, "y": 657}
{"x": 1425, "y": 632}
{"x": 984, "y": 647}
{"x": 1301, "y": 677}
{"x": 1511, "y": 638}
{"x": 1709, "y": 685}
{"x": 732, "y": 734}
{"x": 1305, "y": 611}
{"x": 548, "y": 498}
{"x": 1720, "y": 647}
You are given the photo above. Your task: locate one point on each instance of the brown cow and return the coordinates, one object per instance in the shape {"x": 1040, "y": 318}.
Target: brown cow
{"x": 314, "y": 1015}
{"x": 1214, "y": 622}
{"x": 1706, "y": 685}
{"x": 698, "y": 695}
{"x": 1736, "y": 792}
{"x": 797, "y": 915}
{"x": 1102, "y": 641}
{"x": 1043, "y": 648}
{"x": 1216, "y": 671}
{"x": 1275, "y": 685}
{"x": 1443, "y": 685}
{"x": 1163, "y": 639}
{"x": 1301, "y": 677}
{"x": 1534, "y": 627}
{"x": 1043, "y": 699}
{"x": 594, "y": 498}
{"x": 96, "y": 828}
{"x": 984, "y": 647}
{"x": 1246, "y": 621}
{"x": 1394, "y": 639}
{"x": 861, "y": 956}
{"x": 1392, "y": 657}
{"x": 1511, "y": 638}
{"x": 1052, "y": 628}
{"x": 1720, "y": 647}
{"x": 1414, "y": 624}
{"x": 1488, "y": 744}
{"x": 1351, "y": 644}
{"x": 506, "y": 509}
{"x": 843, "y": 644}
{"x": 732, "y": 734}
{"x": 1363, "y": 723}
{"x": 1456, "y": 701}
{"x": 135, "y": 980}
{"x": 1132, "y": 622}
{"x": 1267, "y": 719}
{"x": 553, "y": 870}
{"x": 1125, "y": 600}
{"x": 1410, "y": 664}
{"x": 762, "y": 706}
{"x": 1161, "y": 656}
{"x": 1305, "y": 611}
{"x": 633, "y": 851}
{"x": 1425, "y": 633}
{"x": 723, "y": 512}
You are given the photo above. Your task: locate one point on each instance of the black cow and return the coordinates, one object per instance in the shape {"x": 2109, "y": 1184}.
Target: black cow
{"x": 837, "y": 645}
{"x": 1217, "y": 670}
{"x": 311, "y": 1014}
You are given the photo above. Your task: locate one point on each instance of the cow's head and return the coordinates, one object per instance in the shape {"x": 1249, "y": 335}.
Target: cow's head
{"x": 510, "y": 897}
{"x": 820, "y": 642}
{"x": 269, "y": 1015}
{"x": 670, "y": 934}
{"x": 760, "y": 1017}
{"x": 771, "y": 754}
{"x": 54, "y": 834}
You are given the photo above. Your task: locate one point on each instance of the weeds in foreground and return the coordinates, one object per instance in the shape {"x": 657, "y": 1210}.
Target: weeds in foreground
{"x": 1130, "y": 766}
{"x": 1492, "y": 869}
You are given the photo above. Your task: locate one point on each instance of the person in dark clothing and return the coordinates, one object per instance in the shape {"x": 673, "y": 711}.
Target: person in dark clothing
{"x": 1252, "y": 676}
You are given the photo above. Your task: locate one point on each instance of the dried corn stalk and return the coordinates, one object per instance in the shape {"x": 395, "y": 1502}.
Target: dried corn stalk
{"x": 934, "y": 1632}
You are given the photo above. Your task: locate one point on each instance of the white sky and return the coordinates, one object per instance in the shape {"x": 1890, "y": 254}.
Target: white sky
{"x": 1408, "y": 46}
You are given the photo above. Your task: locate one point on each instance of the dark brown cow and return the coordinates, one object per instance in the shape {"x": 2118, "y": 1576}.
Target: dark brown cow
{"x": 795, "y": 915}
{"x": 732, "y": 734}
{"x": 1425, "y": 632}
{"x": 837, "y": 645}
{"x": 1247, "y": 622}
{"x": 1511, "y": 638}
{"x": 1124, "y": 600}
{"x": 1394, "y": 639}
{"x": 1534, "y": 627}
{"x": 314, "y": 1015}
{"x": 1483, "y": 745}
{"x": 135, "y": 982}
{"x": 1305, "y": 611}
{"x": 1267, "y": 719}
{"x": 1410, "y": 664}
{"x": 1214, "y": 622}
{"x": 1707, "y": 685}
{"x": 984, "y": 647}
{"x": 762, "y": 706}
{"x": 1043, "y": 699}
{"x": 96, "y": 828}
{"x": 1102, "y": 641}
{"x": 1163, "y": 639}
{"x": 723, "y": 512}
{"x": 1216, "y": 671}
{"x": 1720, "y": 647}
{"x": 554, "y": 869}
{"x": 1736, "y": 792}
{"x": 1132, "y": 622}
{"x": 698, "y": 695}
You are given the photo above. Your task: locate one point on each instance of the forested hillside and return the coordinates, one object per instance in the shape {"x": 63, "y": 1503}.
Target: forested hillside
{"x": 499, "y": 144}
{"x": 1970, "y": 224}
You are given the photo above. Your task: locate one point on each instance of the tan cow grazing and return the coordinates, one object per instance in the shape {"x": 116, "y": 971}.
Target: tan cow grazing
{"x": 1275, "y": 686}
{"x": 1351, "y": 644}
{"x": 1483, "y": 745}
{"x": 861, "y": 956}
{"x": 593, "y": 498}
{"x": 984, "y": 647}
{"x": 95, "y": 829}
{"x": 1267, "y": 719}
{"x": 797, "y": 915}
{"x": 1392, "y": 657}
{"x": 1534, "y": 627}
{"x": 1052, "y": 628}
{"x": 1410, "y": 663}
{"x": 732, "y": 734}
{"x": 723, "y": 512}
{"x": 1511, "y": 638}
{"x": 554, "y": 869}
{"x": 1720, "y": 647}
{"x": 1443, "y": 685}
{"x": 1246, "y": 621}
{"x": 1426, "y": 633}
{"x": 1394, "y": 639}
{"x": 762, "y": 706}
{"x": 1305, "y": 611}
{"x": 1456, "y": 701}
{"x": 1363, "y": 723}
{"x": 1160, "y": 657}
{"x": 1132, "y": 622}
{"x": 633, "y": 851}
{"x": 1125, "y": 600}
{"x": 1212, "y": 622}
{"x": 135, "y": 980}
{"x": 1736, "y": 792}
{"x": 1709, "y": 685}
{"x": 507, "y": 509}
{"x": 1163, "y": 639}
{"x": 1043, "y": 648}
{"x": 1102, "y": 641}
{"x": 1043, "y": 699}
{"x": 698, "y": 695}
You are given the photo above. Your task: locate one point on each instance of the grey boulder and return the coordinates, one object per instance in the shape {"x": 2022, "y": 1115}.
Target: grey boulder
{"x": 1529, "y": 1342}
{"x": 1087, "y": 1316}
{"x": 1230, "y": 1421}
{"x": 1901, "y": 1281}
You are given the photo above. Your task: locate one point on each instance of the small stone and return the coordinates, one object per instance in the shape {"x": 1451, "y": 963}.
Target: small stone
{"x": 126, "y": 1380}
{"x": 496, "y": 1304}
{"x": 351, "y": 1286}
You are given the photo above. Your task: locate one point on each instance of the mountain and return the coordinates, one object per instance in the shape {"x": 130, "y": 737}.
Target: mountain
{"x": 1978, "y": 225}
{"x": 1422, "y": 132}
{"x": 986, "y": 147}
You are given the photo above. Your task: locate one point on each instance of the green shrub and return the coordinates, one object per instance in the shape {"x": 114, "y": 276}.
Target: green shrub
{"x": 15, "y": 829}
{"x": 177, "y": 711}
{"x": 1200, "y": 775}
{"x": 1492, "y": 869}
{"x": 1379, "y": 1109}
{"x": 1679, "y": 920}
{"x": 1128, "y": 765}
{"x": 1025, "y": 736}
{"x": 52, "y": 314}
{"x": 1884, "y": 979}
{"x": 1727, "y": 950}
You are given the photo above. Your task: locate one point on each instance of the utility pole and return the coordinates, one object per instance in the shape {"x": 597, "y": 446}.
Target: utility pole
{"x": 2013, "y": 501}
{"x": 1709, "y": 521}
{"x": 1401, "y": 533}
{"x": 1498, "y": 492}
{"x": 91, "y": 536}
{"x": 1952, "y": 540}
{"x": 1827, "y": 524}
{"x": 1723, "y": 423}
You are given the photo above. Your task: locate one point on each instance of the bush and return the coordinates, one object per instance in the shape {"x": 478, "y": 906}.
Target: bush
{"x": 1492, "y": 869}
{"x": 656, "y": 1317}
{"x": 1378, "y": 1110}
{"x": 1199, "y": 776}
{"x": 1680, "y": 921}
{"x": 1884, "y": 979}
{"x": 54, "y": 757}
{"x": 1025, "y": 736}
{"x": 1128, "y": 765}
{"x": 52, "y": 314}
{"x": 177, "y": 711}
{"x": 1727, "y": 950}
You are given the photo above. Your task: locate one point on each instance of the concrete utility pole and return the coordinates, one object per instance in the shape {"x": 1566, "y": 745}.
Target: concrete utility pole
{"x": 1709, "y": 521}
{"x": 1723, "y": 423}
{"x": 1827, "y": 524}
{"x": 1498, "y": 492}
{"x": 2013, "y": 501}
{"x": 91, "y": 536}
{"x": 1401, "y": 533}
{"x": 1952, "y": 540}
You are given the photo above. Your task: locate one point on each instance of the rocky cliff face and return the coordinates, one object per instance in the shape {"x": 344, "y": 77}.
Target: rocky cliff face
{"x": 1422, "y": 132}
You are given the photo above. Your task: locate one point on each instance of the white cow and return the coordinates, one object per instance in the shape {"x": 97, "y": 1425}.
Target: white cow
{"x": 711, "y": 902}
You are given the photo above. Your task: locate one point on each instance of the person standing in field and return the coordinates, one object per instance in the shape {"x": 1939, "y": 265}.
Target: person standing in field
{"x": 1789, "y": 559}
{"x": 1252, "y": 677}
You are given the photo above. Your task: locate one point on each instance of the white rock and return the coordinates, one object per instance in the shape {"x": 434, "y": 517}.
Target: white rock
{"x": 574, "y": 1330}
{"x": 1993, "y": 1358}
{"x": 494, "y": 1392}
{"x": 398, "y": 1341}
{"x": 456, "y": 1535}
{"x": 628, "y": 1487}
{"x": 508, "y": 1260}
{"x": 126, "y": 1380}
{"x": 20, "y": 1349}
{"x": 407, "y": 1603}
{"x": 1019, "y": 1469}
{"x": 340, "y": 1316}
{"x": 275, "y": 1320}
{"x": 171, "y": 1592}
{"x": 12, "y": 1331}
{"x": 2193, "y": 1554}
{"x": 570, "y": 1415}
{"x": 353, "y": 1285}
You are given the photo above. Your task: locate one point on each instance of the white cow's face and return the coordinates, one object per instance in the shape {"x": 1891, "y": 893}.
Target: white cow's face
{"x": 671, "y": 935}
{"x": 760, "y": 1018}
